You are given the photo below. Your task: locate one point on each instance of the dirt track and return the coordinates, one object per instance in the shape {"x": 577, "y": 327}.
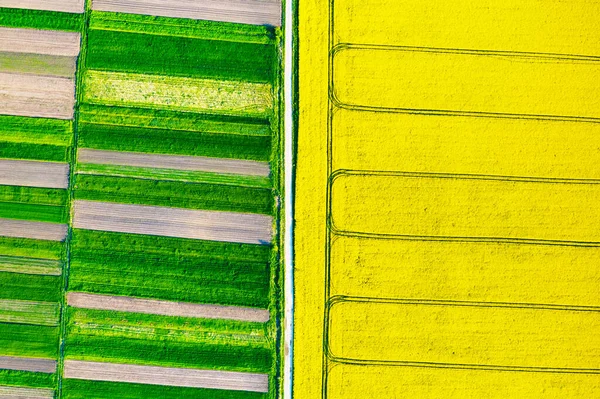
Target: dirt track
{"x": 34, "y": 173}
{"x": 153, "y": 375}
{"x": 177, "y": 162}
{"x": 165, "y": 308}
{"x": 256, "y": 12}
{"x": 173, "y": 222}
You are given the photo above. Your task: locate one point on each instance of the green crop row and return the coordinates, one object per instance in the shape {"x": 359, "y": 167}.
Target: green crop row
{"x": 30, "y": 287}
{"x": 173, "y": 120}
{"x": 174, "y": 175}
{"x": 38, "y": 152}
{"x": 34, "y": 212}
{"x": 28, "y": 341}
{"x": 179, "y": 56}
{"x": 38, "y": 19}
{"x": 31, "y": 248}
{"x": 176, "y": 249}
{"x": 165, "y": 141}
{"x": 28, "y": 379}
{"x": 81, "y": 389}
{"x": 174, "y": 194}
{"x": 201, "y": 29}
{"x": 35, "y": 130}
{"x": 33, "y": 195}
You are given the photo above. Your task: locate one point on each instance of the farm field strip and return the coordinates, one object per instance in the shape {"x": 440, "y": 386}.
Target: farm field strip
{"x": 166, "y": 308}
{"x": 23, "y": 265}
{"x": 70, "y": 6}
{"x": 28, "y": 364}
{"x": 29, "y": 312}
{"x": 37, "y": 96}
{"x": 178, "y": 93}
{"x": 182, "y": 163}
{"x": 26, "y": 393}
{"x": 173, "y": 222}
{"x": 256, "y": 12}
{"x": 194, "y": 378}
{"x": 37, "y": 64}
{"x": 34, "y": 173}
{"x": 33, "y": 230}
{"x": 38, "y": 41}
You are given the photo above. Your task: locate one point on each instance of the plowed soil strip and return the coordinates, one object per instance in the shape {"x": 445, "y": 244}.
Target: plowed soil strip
{"x": 32, "y": 230}
{"x": 28, "y": 364}
{"x": 34, "y": 173}
{"x": 254, "y": 12}
{"x": 165, "y": 308}
{"x": 37, "y": 96}
{"x": 173, "y": 222}
{"x": 37, "y": 41}
{"x": 25, "y": 393}
{"x": 204, "y": 164}
{"x": 192, "y": 378}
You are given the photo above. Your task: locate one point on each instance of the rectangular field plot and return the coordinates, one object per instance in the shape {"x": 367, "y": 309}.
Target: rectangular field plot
{"x": 446, "y": 206}
{"x": 465, "y": 271}
{"x": 465, "y": 145}
{"x": 348, "y": 382}
{"x": 551, "y": 26}
{"x": 73, "y": 6}
{"x": 420, "y": 79}
{"x": 266, "y": 12}
{"x": 29, "y": 393}
{"x": 464, "y": 335}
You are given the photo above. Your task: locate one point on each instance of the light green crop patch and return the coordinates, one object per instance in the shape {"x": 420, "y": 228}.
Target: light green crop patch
{"x": 178, "y": 94}
{"x": 29, "y": 312}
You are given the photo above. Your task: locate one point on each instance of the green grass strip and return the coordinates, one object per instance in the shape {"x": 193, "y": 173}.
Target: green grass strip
{"x": 173, "y": 120}
{"x": 164, "y": 352}
{"x": 165, "y": 141}
{"x": 177, "y": 93}
{"x": 33, "y": 195}
{"x": 174, "y": 194}
{"x": 27, "y": 379}
{"x": 38, "y": 152}
{"x": 29, "y": 312}
{"x": 28, "y": 341}
{"x": 182, "y": 27}
{"x": 39, "y": 19}
{"x": 30, "y": 287}
{"x": 31, "y": 248}
{"x": 184, "y": 284}
{"x": 81, "y": 389}
{"x": 184, "y": 329}
{"x": 34, "y": 212}
{"x": 175, "y": 248}
{"x": 181, "y": 56}
{"x": 20, "y": 129}
{"x": 22, "y": 265}
{"x": 174, "y": 175}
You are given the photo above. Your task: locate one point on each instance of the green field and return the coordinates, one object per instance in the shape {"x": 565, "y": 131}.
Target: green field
{"x": 37, "y": 19}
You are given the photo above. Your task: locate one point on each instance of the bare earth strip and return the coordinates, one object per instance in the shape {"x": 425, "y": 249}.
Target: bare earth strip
{"x": 29, "y": 312}
{"x": 192, "y": 378}
{"x": 173, "y": 222}
{"x": 37, "y": 41}
{"x": 26, "y": 393}
{"x": 36, "y": 96}
{"x": 38, "y": 64}
{"x": 42, "y": 267}
{"x": 255, "y": 12}
{"x": 165, "y": 308}
{"x": 32, "y": 230}
{"x": 34, "y": 173}
{"x": 191, "y": 163}
{"x": 28, "y": 364}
